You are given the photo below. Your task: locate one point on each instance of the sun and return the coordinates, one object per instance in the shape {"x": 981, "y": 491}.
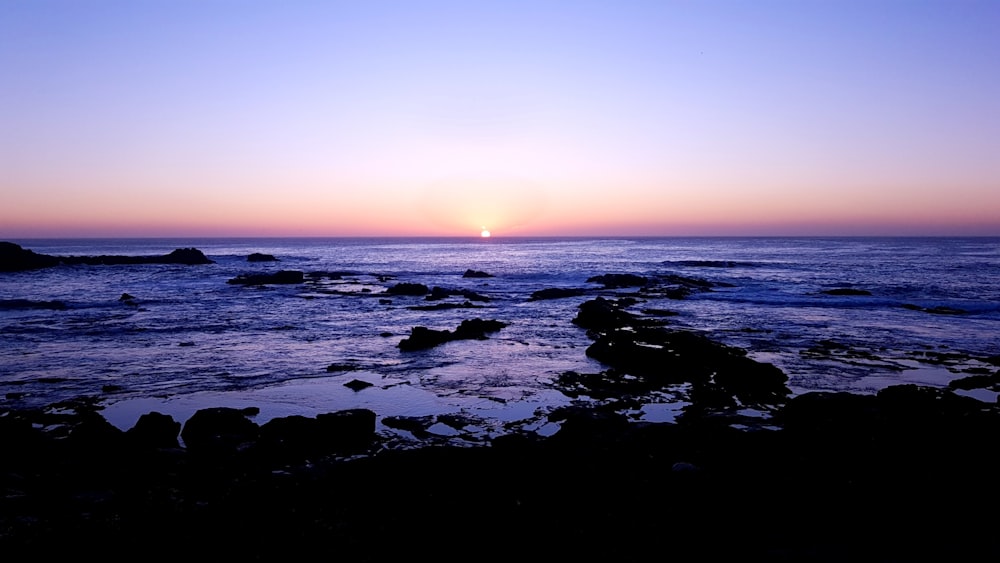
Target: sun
{"x": 485, "y": 233}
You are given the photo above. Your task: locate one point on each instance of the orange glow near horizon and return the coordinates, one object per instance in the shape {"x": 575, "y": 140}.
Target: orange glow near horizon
{"x": 430, "y": 121}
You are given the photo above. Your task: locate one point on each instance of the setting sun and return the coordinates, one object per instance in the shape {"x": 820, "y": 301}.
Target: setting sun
{"x": 485, "y": 233}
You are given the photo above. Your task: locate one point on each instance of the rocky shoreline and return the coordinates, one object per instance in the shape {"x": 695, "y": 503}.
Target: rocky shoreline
{"x": 907, "y": 474}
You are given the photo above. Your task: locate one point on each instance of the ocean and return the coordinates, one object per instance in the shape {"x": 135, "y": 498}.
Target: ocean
{"x": 834, "y": 314}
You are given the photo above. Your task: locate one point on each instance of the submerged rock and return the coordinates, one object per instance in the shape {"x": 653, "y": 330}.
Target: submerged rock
{"x": 282, "y": 277}
{"x": 422, "y": 338}
{"x": 556, "y": 293}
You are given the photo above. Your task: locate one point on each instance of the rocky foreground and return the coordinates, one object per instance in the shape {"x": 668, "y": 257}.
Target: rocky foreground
{"x": 909, "y": 474}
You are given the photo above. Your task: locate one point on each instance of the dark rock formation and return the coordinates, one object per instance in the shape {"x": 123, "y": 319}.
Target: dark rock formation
{"x": 14, "y": 258}
{"x": 357, "y": 385}
{"x": 407, "y": 288}
{"x": 613, "y": 281}
{"x": 296, "y": 438}
{"x": 219, "y": 430}
{"x": 476, "y": 274}
{"x": 556, "y": 293}
{"x": 903, "y": 475}
{"x": 259, "y": 257}
{"x": 341, "y": 367}
{"x": 281, "y": 277}
{"x": 155, "y": 430}
{"x": 605, "y": 314}
{"x": 422, "y": 338}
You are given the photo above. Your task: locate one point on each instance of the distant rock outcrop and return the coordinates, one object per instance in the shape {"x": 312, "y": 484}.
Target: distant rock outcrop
{"x": 476, "y": 274}
{"x": 13, "y": 258}
{"x": 258, "y": 257}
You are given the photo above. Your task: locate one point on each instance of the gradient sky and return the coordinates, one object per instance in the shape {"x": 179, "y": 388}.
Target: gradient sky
{"x": 252, "y": 118}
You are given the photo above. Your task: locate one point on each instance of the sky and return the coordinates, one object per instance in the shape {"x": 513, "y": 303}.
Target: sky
{"x": 535, "y": 118}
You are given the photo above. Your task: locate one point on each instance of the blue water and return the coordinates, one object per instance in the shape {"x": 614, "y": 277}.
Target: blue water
{"x": 191, "y": 340}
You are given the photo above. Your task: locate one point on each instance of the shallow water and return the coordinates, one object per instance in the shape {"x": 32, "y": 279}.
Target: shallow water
{"x": 191, "y": 340}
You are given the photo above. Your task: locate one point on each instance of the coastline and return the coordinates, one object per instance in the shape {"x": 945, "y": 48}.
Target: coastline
{"x": 906, "y": 475}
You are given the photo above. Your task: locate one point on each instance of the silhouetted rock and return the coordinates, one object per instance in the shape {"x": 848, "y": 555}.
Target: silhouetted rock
{"x": 281, "y": 277}
{"x": 718, "y": 373}
{"x": 259, "y": 257}
{"x": 476, "y": 274}
{"x": 349, "y": 429}
{"x": 611, "y": 281}
{"x": 422, "y": 337}
{"x": 604, "y": 314}
{"x": 155, "y": 430}
{"x": 357, "y": 385}
{"x": 407, "y": 288}
{"x": 556, "y": 293}
{"x": 219, "y": 430}
{"x": 13, "y": 258}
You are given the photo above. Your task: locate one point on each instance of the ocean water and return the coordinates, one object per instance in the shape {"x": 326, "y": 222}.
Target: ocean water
{"x": 191, "y": 340}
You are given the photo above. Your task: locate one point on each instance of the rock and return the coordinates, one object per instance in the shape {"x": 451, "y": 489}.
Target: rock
{"x": 476, "y": 274}
{"x": 556, "y": 293}
{"x": 340, "y": 367}
{"x": 259, "y": 257}
{"x": 348, "y": 430}
{"x": 476, "y": 329}
{"x": 281, "y": 277}
{"x": 716, "y": 371}
{"x": 613, "y": 281}
{"x": 218, "y": 430}
{"x": 13, "y": 258}
{"x": 407, "y": 288}
{"x": 422, "y": 338}
{"x": 189, "y": 256}
{"x": 94, "y": 433}
{"x": 357, "y": 385}
{"x": 155, "y": 430}
{"x": 126, "y": 297}
{"x": 604, "y": 314}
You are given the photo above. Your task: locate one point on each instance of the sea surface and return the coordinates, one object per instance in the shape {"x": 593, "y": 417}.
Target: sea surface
{"x": 189, "y": 339}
